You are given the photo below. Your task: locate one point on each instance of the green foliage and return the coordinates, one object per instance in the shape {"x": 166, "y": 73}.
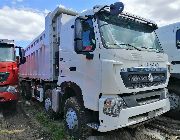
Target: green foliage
{"x": 54, "y": 128}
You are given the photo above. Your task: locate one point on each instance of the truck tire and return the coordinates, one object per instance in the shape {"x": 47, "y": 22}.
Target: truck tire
{"x": 75, "y": 119}
{"x": 13, "y": 106}
{"x": 22, "y": 89}
{"x": 27, "y": 91}
{"x": 48, "y": 104}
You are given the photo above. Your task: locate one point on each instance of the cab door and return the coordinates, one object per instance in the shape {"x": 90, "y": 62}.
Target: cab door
{"x": 89, "y": 64}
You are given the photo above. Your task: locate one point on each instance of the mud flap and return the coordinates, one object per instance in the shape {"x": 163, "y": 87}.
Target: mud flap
{"x": 40, "y": 93}
{"x": 174, "y": 101}
{"x": 56, "y": 100}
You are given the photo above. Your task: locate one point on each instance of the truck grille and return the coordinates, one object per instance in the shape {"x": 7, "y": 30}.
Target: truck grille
{"x": 143, "y": 97}
{"x": 3, "y": 76}
{"x": 139, "y": 78}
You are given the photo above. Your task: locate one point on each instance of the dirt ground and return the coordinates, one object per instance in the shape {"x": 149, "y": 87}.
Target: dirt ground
{"x": 24, "y": 125}
{"x": 16, "y": 125}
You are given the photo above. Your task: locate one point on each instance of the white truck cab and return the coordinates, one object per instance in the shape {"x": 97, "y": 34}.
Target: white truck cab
{"x": 110, "y": 71}
{"x": 169, "y": 37}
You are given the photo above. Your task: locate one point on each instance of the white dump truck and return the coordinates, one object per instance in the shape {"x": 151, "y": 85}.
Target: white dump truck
{"x": 103, "y": 69}
{"x": 169, "y": 37}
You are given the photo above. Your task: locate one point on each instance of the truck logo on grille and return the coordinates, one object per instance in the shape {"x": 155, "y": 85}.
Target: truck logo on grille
{"x": 150, "y": 77}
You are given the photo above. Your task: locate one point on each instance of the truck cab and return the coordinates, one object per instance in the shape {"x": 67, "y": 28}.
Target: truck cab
{"x": 118, "y": 64}
{"x": 169, "y": 37}
{"x": 8, "y": 72}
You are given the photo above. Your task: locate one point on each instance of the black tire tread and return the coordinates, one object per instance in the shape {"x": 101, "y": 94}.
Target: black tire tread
{"x": 83, "y": 130}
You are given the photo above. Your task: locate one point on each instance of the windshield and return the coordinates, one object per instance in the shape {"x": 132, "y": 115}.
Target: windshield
{"x": 7, "y": 54}
{"x": 123, "y": 33}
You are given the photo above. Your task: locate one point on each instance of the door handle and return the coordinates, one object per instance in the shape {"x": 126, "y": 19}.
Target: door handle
{"x": 72, "y": 68}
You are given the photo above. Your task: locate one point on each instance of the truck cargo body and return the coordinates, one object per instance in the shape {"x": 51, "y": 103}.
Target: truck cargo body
{"x": 115, "y": 86}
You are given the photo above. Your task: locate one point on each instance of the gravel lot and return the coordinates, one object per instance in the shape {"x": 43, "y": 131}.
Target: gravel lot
{"x": 23, "y": 124}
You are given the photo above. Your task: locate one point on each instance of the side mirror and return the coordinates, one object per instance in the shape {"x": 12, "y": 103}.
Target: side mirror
{"x": 22, "y": 59}
{"x": 21, "y": 53}
{"x": 78, "y": 36}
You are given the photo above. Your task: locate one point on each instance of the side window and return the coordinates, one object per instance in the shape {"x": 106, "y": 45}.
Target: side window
{"x": 178, "y": 39}
{"x": 88, "y": 36}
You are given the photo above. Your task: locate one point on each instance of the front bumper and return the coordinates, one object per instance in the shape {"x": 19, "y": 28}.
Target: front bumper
{"x": 6, "y": 95}
{"x": 130, "y": 116}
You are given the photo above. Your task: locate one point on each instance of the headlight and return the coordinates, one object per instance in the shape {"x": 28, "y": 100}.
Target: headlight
{"x": 3, "y": 89}
{"x": 113, "y": 106}
{"x": 12, "y": 89}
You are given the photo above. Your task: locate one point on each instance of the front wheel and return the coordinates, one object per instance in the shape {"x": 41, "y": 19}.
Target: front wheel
{"x": 75, "y": 119}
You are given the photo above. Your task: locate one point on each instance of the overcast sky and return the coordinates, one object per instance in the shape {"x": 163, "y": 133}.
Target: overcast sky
{"x": 23, "y": 20}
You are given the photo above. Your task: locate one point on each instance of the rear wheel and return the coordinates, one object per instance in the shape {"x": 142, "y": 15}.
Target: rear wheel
{"x": 26, "y": 90}
{"x": 75, "y": 119}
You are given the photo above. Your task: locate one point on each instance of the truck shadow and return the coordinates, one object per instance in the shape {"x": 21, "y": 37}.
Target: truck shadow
{"x": 120, "y": 134}
{"x": 7, "y": 110}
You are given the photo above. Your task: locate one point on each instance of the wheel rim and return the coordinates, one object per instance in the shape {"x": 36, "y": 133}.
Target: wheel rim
{"x": 47, "y": 104}
{"x": 71, "y": 119}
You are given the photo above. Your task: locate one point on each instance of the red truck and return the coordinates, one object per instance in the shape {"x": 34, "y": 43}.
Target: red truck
{"x": 9, "y": 64}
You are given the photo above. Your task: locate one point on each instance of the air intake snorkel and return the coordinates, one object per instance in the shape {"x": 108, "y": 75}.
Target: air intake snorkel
{"x": 116, "y": 8}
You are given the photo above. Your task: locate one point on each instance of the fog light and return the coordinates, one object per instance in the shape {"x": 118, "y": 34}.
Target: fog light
{"x": 113, "y": 106}
{"x": 12, "y": 89}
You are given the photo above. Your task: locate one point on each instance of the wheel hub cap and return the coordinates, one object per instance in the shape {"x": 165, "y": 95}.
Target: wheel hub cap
{"x": 71, "y": 119}
{"x": 47, "y": 104}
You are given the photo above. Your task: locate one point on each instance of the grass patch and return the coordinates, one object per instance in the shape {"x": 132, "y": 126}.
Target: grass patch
{"x": 11, "y": 131}
{"x": 55, "y": 129}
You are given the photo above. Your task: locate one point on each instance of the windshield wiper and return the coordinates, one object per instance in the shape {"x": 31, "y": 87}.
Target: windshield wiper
{"x": 105, "y": 24}
{"x": 144, "y": 47}
{"x": 131, "y": 46}
{"x": 151, "y": 49}
{"x": 154, "y": 49}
